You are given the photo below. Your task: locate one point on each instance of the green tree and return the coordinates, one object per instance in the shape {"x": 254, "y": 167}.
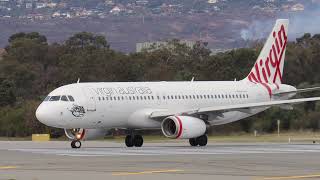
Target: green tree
{"x": 7, "y": 94}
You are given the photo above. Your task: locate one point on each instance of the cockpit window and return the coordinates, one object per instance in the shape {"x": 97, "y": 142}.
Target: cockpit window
{"x": 64, "y": 98}
{"x": 47, "y": 98}
{"x": 54, "y": 98}
{"x": 70, "y": 98}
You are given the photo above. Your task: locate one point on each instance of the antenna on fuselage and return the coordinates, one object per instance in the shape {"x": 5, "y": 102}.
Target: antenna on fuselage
{"x": 192, "y": 79}
{"x": 78, "y": 81}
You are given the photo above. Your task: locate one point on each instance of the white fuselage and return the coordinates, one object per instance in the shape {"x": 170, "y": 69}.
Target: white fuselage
{"x": 126, "y": 104}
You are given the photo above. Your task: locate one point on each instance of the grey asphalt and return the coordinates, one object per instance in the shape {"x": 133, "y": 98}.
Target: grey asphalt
{"x": 109, "y": 160}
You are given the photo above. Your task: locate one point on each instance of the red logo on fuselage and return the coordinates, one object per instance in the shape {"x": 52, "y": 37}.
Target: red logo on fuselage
{"x": 262, "y": 69}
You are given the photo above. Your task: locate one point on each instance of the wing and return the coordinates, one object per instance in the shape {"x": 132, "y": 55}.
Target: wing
{"x": 236, "y": 107}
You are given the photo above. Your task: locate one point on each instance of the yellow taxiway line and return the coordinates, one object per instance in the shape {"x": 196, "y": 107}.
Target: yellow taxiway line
{"x": 292, "y": 177}
{"x": 146, "y": 172}
{"x": 8, "y": 167}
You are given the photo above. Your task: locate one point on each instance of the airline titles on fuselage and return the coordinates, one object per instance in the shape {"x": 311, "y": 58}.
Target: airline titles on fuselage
{"x": 107, "y": 91}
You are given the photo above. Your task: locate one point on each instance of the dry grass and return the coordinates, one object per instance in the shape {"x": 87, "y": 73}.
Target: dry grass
{"x": 294, "y": 137}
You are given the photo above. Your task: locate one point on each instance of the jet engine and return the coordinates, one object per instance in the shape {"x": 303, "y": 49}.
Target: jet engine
{"x": 183, "y": 127}
{"x": 85, "y": 134}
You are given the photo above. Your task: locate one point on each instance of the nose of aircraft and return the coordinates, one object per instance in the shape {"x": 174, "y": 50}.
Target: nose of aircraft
{"x": 41, "y": 114}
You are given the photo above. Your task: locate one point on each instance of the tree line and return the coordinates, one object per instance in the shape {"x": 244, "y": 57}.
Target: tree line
{"x": 32, "y": 67}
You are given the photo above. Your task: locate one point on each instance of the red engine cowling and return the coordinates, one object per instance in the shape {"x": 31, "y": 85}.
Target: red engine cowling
{"x": 183, "y": 127}
{"x": 85, "y": 134}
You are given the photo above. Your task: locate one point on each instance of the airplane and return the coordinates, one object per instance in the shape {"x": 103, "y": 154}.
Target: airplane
{"x": 182, "y": 110}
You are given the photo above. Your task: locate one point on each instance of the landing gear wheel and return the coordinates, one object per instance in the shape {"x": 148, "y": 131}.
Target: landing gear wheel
{"x": 202, "y": 140}
{"x": 76, "y": 144}
{"x": 138, "y": 140}
{"x": 193, "y": 142}
{"x": 129, "y": 141}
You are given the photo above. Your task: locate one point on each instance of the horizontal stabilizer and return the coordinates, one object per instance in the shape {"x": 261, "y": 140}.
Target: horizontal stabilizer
{"x": 298, "y": 91}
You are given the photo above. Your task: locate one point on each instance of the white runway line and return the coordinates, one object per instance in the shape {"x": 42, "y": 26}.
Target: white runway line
{"x": 155, "y": 151}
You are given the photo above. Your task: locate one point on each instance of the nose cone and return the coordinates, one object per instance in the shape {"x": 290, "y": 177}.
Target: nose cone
{"x": 42, "y": 115}
{"x": 48, "y": 115}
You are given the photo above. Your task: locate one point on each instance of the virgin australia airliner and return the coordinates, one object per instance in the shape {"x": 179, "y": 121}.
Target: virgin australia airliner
{"x": 182, "y": 110}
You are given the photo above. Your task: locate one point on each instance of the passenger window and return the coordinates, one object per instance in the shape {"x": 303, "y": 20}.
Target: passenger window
{"x": 129, "y": 97}
{"x": 64, "y": 98}
{"x": 107, "y": 98}
{"x": 164, "y": 97}
{"x": 54, "y": 98}
{"x": 70, "y": 98}
{"x": 47, "y": 98}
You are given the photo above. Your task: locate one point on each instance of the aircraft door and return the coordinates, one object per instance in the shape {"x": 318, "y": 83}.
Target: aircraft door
{"x": 90, "y": 102}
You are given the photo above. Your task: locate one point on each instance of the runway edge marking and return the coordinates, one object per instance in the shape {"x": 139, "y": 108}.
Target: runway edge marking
{"x": 146, "y": 172}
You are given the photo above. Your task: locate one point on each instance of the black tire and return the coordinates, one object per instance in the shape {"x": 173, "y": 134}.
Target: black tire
{"x": 193, "y": 142}
{"x": 138, "y": 140}
{"x": 129, "y": 141}
{"x": 202, "y": 140}
{"x": 76, "y": 144}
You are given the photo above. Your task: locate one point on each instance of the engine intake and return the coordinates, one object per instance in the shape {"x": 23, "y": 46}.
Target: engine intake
{"x": 183, "y": 127}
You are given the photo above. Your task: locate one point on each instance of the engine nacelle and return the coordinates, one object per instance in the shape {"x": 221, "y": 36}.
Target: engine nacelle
{"x": 85, "y": 134}
{"x": 183, "y": 127}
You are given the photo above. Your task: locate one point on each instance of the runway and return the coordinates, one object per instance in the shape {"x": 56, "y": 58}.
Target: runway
{"x": 109, "y": 160}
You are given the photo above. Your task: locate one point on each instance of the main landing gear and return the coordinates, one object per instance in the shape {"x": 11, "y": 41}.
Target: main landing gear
{"x": 134, "y": 140}
{"x": 201, "y": 141}
{"x": 76, "y": 144}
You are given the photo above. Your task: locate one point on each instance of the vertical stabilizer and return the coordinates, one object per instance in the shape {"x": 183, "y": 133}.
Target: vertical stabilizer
{"x": 269, "y": 66}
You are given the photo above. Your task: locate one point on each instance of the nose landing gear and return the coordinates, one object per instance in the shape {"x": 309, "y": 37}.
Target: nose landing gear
{"x": 134, "y": 140}
{"x": 76, "y": 144}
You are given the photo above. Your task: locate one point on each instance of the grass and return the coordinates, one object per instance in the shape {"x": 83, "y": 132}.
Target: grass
{"x": 294, "y": 137}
